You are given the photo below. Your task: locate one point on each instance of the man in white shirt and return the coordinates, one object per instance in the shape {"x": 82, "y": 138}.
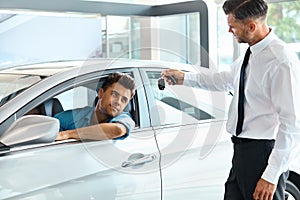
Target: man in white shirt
{"x": 269, "y": 131}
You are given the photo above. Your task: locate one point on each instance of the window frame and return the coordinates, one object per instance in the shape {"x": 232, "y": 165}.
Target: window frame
{"x": 155, "y": 119}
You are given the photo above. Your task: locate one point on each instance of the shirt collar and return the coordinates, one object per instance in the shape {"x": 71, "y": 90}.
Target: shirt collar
{"x": 89, "y": 115}
{"x": 258, "y": 47}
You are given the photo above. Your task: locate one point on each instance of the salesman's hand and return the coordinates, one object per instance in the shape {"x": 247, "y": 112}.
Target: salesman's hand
{"x": 264, "y": 190}
{"x": 177, "y": 74}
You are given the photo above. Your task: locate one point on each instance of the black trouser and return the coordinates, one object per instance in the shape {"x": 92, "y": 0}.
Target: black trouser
{"x": 249, "y": 161}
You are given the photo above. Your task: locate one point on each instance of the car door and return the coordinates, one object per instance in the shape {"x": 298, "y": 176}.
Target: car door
{"x": 195, "y": 148}
{"x": 111, "y": 169}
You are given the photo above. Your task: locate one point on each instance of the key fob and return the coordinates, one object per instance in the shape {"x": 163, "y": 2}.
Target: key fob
{"x": 161, "y": 84}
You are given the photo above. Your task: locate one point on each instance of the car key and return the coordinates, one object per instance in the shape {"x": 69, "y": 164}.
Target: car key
{"x": 161, "y": 84}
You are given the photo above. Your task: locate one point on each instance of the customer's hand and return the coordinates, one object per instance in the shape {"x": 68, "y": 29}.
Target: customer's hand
{"x": 177, "y": 74}
{"x": 64, "y": 135}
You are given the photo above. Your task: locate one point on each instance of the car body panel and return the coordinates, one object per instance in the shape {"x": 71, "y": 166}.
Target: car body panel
{"x": 201, "y": 160}
{"x": 80, "y": 170}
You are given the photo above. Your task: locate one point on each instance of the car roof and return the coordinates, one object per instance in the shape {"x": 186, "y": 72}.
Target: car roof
{"x": 51, "y": 68}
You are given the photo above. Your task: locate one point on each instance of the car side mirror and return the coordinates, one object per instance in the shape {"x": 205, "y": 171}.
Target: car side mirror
{"x": 30, "y": 129}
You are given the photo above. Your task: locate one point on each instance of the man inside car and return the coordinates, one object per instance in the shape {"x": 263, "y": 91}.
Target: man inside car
{"x": 104, "y": 121}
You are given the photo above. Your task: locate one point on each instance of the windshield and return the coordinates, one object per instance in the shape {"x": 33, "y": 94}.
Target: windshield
{"x": 13, "y": 84}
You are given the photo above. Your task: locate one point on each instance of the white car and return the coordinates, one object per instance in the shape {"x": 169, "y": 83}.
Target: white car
{"x": 179, "y": 148}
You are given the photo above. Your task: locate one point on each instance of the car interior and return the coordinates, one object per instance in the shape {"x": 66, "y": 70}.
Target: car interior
{"x": 58, "y": 103}
{"x": 48, "y": 108}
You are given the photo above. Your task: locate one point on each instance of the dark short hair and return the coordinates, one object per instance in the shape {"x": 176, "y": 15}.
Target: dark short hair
{"x": 246, "y": 9}
{"x": 124, "y": 79}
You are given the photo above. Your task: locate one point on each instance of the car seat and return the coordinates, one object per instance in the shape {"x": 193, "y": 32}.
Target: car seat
{"x": 51, "y": 107}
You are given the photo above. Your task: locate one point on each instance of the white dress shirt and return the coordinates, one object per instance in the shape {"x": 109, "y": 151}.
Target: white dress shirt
{"x": 272, "y": 99}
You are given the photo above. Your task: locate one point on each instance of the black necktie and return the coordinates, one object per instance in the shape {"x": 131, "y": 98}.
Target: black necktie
{"x": 240, "y": 121}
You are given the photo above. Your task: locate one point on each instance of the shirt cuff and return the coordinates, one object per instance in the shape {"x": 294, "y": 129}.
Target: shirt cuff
{"x": 272, "y": 174}
{"x": 188, "y": 79}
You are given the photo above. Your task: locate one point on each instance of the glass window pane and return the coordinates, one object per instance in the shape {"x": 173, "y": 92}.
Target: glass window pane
{"x": 36, "y": 37}
{"x": 179, "y": 104}
{"x": 285, "y": 21}
{"x": 118, "y": 36}
{"x": 179, "y": 38}
{"x": 11, "y": 85}
{"x": 174, "y": 38}
{"x": 225, "y": 43}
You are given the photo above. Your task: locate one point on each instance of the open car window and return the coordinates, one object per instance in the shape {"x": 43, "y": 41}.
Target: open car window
{"x": 74, "y": 93}
{"x": 77, "y": 96}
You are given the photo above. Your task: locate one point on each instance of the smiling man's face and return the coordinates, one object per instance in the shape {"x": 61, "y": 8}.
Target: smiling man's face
{"x": 238, "y": 29}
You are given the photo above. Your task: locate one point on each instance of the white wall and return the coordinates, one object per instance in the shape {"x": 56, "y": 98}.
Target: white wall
{"x": 26, "y": 38}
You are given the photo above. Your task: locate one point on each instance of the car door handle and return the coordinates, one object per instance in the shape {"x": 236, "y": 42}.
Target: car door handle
{"x": 138, "y": 159}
